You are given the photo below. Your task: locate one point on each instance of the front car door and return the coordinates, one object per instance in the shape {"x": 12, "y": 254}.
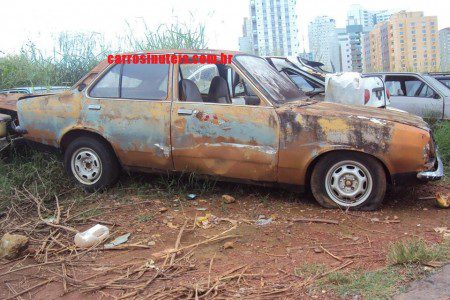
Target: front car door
{"x": 130, "y": 106}
{"x": 213, "y": 134}
{"x": 410, "y": 93}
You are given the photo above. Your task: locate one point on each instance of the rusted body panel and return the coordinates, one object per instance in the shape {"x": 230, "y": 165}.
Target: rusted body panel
{"x": 307, "y": 131}
{"x": 269, "y": 142}
{"x": 228, "y": 141}
{"x": 9, "y": 101}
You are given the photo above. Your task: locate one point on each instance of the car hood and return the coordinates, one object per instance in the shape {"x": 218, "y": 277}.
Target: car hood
{"x": 370, "y": 113}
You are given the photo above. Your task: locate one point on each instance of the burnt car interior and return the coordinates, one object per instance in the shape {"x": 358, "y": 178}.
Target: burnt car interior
{"x": 214, "y": 83}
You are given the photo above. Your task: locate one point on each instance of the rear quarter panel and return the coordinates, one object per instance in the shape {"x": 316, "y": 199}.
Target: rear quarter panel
{"x": 46, "y": 118}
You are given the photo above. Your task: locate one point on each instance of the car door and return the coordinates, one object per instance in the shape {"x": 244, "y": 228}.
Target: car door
{"x": 130, "y": 106}
{"x": 223, "y": 139}
{"x": 410, "y": 93}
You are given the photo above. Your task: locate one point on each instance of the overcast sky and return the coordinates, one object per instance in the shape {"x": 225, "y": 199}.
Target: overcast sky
{"x": 39, "y": 20}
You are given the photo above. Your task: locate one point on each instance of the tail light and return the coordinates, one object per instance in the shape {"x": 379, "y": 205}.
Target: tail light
{"x": 388, "y": 95}
{"x": 366, "y": 96}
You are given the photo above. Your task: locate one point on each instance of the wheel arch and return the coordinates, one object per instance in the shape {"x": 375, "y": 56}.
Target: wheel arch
{"x": 73, "y": 134}
{"x": 316, "y": 159}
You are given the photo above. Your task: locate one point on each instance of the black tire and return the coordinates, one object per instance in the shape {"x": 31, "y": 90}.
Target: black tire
{"x": 373, "y": 194}
{"x": 102, "y": 155}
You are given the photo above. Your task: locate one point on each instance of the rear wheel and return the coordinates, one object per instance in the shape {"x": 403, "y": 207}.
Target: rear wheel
{"x": 92, "y": 163}
{"x": 349, "y": 180}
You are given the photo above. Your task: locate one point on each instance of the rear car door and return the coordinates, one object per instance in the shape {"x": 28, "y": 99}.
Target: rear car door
{"x": 130, "y": 106}
{"x": 212, "y": 134}
{"x": 410, "y": 93}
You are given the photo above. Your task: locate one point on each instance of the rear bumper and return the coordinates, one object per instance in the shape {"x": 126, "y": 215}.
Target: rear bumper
{"x": 435, "y": 174}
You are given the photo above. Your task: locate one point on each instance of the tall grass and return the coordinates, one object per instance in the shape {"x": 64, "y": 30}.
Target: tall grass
{"x": 74, "y": 54}
{"x": 28, "y": 172}
{"x": 442, "y": 136}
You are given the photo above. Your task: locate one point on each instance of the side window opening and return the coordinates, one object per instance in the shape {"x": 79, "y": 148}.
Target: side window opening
{"x": 211, "y": 83}
{"x": 108, "y": 85}
{"x": 145, "y": 81}
{"x": 408, "y": 86}
{"x": 133, "y": 81}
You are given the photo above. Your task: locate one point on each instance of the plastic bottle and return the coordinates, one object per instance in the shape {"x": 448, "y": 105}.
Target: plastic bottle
{"x": 92, "y": 236}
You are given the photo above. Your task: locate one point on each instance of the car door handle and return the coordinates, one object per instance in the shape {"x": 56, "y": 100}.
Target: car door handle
{"x": 186, "y": 112}
{"x": 94, "y": 107}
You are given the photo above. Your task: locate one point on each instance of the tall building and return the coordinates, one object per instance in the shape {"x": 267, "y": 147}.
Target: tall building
{"x": 355, "y": 34}
{"x": 406, "y": 42}
{"x": 245, "y": 42}
{"x": 357, "y": 15}
{"x": 323, "y": 42}
{"x": 344, "y": 50}
{"x": 444, "y": 47}
{"x": 273, "y": 28}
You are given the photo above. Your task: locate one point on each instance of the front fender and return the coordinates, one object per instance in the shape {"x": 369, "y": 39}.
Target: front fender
{"x": 304, "y": 138}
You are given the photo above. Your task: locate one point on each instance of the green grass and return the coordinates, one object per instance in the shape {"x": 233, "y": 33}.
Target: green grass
{"x": 376, "y": 284}
{"x": 416, "y": 251}
{"x": 441, "y": 131}
{"x": 144, "y": 218}
{"x": 26, "y": 171}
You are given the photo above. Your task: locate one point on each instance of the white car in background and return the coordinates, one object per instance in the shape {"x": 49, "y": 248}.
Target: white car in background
{"x": 418, "y": 93}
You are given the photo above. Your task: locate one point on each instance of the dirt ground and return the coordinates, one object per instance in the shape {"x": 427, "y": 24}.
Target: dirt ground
{"x": 236, "y": 256}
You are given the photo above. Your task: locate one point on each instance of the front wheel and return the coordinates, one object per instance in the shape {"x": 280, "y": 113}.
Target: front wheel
{"x": 92, "y": 163}
{"x": 349, "y": 180}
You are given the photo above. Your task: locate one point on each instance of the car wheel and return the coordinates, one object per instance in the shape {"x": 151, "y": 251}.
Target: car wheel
{"x": 92, "y": 163}
{"x": 349, "y": 180}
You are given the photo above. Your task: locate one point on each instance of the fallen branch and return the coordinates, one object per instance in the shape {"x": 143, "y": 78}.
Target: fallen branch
{"x": 331, "y": 254}
{"x": 177, "y": 243}
{"x": 310, "y": 220}
{"x": 30, "y": 289}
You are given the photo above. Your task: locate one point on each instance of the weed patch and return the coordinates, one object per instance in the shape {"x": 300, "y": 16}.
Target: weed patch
{"x": 415, "y": 251}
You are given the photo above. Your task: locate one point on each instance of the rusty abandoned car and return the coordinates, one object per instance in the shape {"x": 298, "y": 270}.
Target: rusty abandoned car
{"x": 242, "y": 121}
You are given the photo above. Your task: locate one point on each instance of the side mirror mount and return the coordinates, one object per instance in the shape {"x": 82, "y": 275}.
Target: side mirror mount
{"x": 252, "y": 100}
{"x": 436, "y": 96}
{"x": 81, "y": 87}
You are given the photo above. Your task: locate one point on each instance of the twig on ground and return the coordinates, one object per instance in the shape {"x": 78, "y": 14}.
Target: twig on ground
{"x": 311, "y": 220}
{"x": 331, "y": 254}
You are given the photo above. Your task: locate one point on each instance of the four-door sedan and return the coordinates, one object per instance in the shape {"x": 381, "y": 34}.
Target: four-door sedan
{"x": 248, "y": 123}
{"x": 419, "y": 94}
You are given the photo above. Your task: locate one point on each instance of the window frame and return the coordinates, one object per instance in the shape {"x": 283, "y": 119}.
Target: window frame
{"x": 265, "y": 103}
{"x": 416, "y": 95}
{"x": 87, "y": 91}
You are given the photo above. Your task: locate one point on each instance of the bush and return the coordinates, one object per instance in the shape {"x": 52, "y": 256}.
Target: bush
{"x": 442, "y": 136}
{"x": 415, "y": 251}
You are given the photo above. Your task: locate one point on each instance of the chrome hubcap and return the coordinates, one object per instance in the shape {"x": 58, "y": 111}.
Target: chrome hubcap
{"x": 86, "y": 166}
{"x": 348, "y": 183}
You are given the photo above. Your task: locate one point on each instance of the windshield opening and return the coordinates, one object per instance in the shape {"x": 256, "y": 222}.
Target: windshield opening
{"x": 277, "y": 87}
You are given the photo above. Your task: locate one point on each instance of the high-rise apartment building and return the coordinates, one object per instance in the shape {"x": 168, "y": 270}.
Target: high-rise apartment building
{"x": 344, "y": 50}
{"x": 408, "y": 41}
{"x": 273, "y": 28}
{"x": 245, "y": 42}
{"x": 444, "y": 47}
{"x": 323, "y": 42}
{"x": 357, "y": 15}
{"x": 355, "y": 36}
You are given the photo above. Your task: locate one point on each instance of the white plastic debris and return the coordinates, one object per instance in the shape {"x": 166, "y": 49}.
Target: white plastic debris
{"x": 92, "y": 236}
{"x": 118, "y": 240}
{"x": 350, "y": 88}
